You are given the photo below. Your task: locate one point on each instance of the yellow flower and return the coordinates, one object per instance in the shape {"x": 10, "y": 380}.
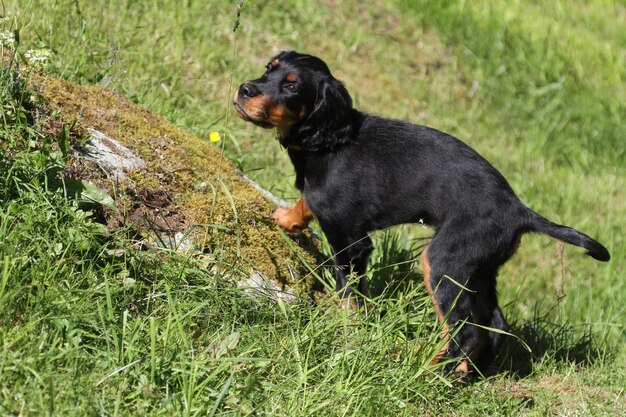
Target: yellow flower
{"x": 214, "y": 136}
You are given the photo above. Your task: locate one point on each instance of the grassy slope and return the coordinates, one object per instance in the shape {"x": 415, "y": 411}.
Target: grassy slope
{"x": 537, "y": 89}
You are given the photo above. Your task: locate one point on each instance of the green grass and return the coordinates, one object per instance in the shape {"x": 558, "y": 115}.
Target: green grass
{"x": 90, "y": 325}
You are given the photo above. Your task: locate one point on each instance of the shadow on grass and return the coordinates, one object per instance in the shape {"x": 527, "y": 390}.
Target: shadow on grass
{"x": 395, "y": 262}
{"x": 561, "y": 343}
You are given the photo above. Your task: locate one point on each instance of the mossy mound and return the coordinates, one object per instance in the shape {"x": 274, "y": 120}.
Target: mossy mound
{"x": 188, "y": 187}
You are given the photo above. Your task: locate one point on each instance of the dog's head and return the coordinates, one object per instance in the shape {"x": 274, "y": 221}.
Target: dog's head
{"x": 298, "y": 95}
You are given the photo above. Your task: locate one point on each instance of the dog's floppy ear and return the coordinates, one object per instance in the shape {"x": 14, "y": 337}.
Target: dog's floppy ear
{"x": 330, "y": 121}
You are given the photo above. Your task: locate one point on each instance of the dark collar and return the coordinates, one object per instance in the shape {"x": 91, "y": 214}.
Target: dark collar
{"x": 297, "y": 147}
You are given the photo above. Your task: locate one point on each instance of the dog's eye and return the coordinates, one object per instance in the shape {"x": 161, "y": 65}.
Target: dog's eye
{"x": 290, "y": 87}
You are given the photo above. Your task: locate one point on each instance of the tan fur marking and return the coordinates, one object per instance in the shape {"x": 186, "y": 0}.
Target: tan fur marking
{"x": 275, "y": 63}
{"x": 465, "y": 367}
{"x": 291, "y": 77}
{"x": 349, "y": 304}
{"x": 262, "y": 108}
{"x": 295, "y": 219}
{"x": 440, "y": 315}
{"x": 255, "y": 107}
{"x": 282, "y": 118}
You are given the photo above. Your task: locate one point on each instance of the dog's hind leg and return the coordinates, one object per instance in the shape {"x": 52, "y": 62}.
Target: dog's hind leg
{"x": 453, "y": 301}
{"x": 487, "y": 313}
{"x": 426, "y": 270}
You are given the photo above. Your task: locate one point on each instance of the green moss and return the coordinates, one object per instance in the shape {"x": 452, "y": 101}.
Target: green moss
{"x": 202, "y": 187}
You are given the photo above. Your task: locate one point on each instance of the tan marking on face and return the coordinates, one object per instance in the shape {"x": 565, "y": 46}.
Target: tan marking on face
{"x": 283, "y": 118}
{"x": 262, "y": 108}
{"x": 303, "y": 113}
{"x": 255, "y": 108}
{"x": 291, "y": 77}
{"x": 275, "y": 63}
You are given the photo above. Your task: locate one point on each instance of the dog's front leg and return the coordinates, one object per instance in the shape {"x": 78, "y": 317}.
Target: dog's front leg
{"x": 351, "y": 260}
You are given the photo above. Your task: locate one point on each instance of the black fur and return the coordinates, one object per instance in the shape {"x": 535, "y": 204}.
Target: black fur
{"x": 359, "y": 173}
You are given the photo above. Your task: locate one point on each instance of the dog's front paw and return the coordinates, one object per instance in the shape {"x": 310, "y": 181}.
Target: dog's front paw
{"x": 288, "y": 219}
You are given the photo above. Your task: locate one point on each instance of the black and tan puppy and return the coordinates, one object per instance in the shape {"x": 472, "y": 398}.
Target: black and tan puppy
{"x": 359, "y": 173}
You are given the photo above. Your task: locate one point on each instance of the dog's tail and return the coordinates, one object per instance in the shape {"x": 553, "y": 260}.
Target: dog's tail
{"x": 569, "y": 235}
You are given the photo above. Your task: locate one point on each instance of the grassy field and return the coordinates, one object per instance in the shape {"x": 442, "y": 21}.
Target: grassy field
{"x": 538, "y": 88}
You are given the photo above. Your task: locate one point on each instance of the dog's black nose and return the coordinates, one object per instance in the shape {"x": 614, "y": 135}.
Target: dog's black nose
{"x": 248, "y": 90}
